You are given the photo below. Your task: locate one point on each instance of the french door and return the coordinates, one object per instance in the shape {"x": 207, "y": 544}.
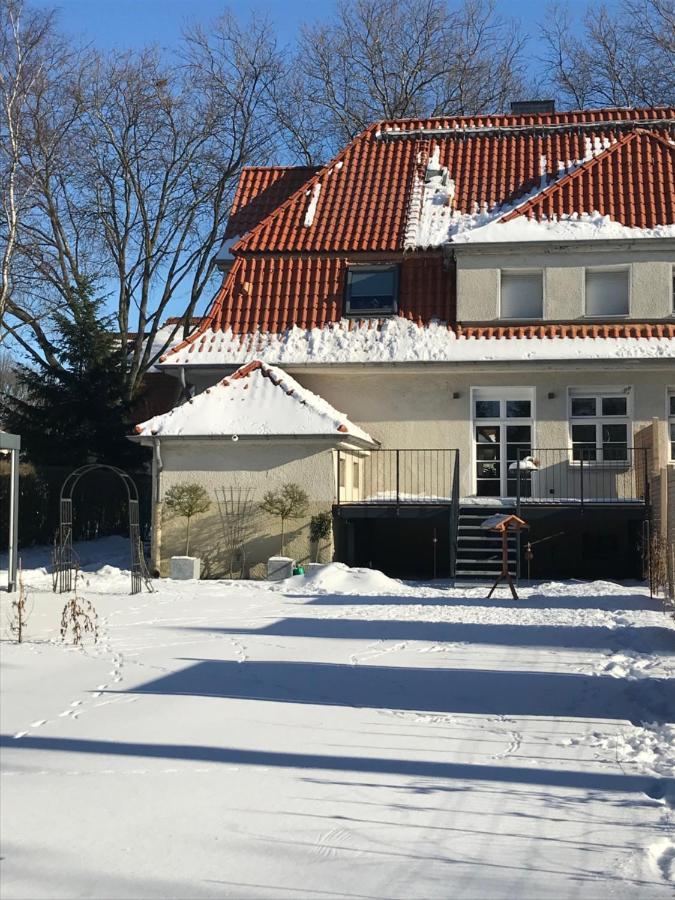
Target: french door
{"x": 502, "y": 435}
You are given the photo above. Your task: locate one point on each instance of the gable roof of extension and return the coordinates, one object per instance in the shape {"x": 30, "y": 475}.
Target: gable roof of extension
{"x": 256, "y": 401}
{"x": 407, "y": 185}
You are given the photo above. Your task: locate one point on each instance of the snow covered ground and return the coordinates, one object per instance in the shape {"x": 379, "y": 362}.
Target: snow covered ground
{"x": 339, "y": 735}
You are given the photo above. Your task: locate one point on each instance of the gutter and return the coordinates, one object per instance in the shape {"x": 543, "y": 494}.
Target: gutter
{"x": 551, "y": 245}
{"x": 338, "y": 440}
{"x": 424, "y": 366}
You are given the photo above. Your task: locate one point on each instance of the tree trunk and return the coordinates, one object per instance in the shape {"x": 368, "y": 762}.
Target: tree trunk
{"x": 283, "y": 522}
{"x": 187, "y": 538}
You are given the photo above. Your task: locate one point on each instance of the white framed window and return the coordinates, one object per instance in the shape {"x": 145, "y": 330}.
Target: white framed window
{"x": 671, "y": 422}
{"x": 607, "y": 292}
{"x": 600, "y": 424}
{"x": 521, "y": 294}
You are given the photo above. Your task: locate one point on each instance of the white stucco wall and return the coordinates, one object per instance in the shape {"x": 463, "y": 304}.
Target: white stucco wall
{"x": 478, "y": 278}
{"x": 401, "y": 408}
{"x": 244, "y": 466}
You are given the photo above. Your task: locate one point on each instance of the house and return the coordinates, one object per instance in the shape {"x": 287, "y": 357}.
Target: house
{"x": 488, "y": 302}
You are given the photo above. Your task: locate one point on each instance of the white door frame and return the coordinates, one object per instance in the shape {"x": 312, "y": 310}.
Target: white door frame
{"x": 482, "y": 392}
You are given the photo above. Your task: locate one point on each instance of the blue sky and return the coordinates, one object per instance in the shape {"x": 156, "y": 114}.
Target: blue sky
{"x": 124, "y": 23}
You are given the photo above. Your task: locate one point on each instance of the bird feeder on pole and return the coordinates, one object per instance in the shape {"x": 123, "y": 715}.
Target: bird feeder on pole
{"x": 11, "y": 444}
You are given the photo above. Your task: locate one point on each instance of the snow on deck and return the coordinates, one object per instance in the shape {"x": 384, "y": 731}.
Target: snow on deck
{"x": 256, "y": 400}
{"x": 340, "y": 735}
{"x": 399, "y": 340}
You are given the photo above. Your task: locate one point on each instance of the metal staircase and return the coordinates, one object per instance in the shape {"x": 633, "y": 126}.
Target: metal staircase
{"x": 479, "y": 552}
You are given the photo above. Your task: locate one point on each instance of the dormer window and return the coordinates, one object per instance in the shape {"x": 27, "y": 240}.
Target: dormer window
{"x": 607, "y": 292}
{"x": 371, "y": 291}
{"x": 522, "y": 294}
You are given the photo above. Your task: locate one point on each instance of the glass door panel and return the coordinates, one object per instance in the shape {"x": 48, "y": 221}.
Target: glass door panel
{"x": 503, "y": 438}
{"x": 518, "y": 448}
{"x": 488, "y": 460}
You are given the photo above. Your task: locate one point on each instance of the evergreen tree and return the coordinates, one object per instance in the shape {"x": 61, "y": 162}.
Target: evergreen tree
{"x": 77, "y": 413}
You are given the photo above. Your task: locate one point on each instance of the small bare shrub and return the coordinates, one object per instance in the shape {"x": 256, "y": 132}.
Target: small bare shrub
{"x": 20, "y": 612}
{"x": 662, "y": 569}
{"x": 79, "y": 617}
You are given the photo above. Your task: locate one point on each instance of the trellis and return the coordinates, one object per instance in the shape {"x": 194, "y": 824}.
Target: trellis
{"x": 65, "y": 562}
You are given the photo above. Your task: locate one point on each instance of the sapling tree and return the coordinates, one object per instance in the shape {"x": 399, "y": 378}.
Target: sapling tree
{"x": 288, "y": 502}
{"x": 187, "y": 500}
{"x": 19, "y": 611}
{"x": 320, "y": 527}
{"x": 79, "y": 617}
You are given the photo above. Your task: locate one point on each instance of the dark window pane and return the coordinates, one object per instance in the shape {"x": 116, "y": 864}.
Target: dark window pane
{"x": 487, "y": 488}
{"x": 518, "y": 434}
{"x": 487, "y": 434}
{"x": 372, "y": 283}
{"x": 487, "y": 409}
{"x": 614, "y": 406}
{"x": 372, "y": 290}
{"x": 583, "y": 434}
{"x": 614, "y": 434}
{"x": 672, "y": 405}
{"x": 518, "y": 409}
{"x": 487, "y": 451}
{"x": 614, "y": 452}
{"x": 488, "y": 469}
{"x": 583, "y": 406}
{"x": 585, "y": 452}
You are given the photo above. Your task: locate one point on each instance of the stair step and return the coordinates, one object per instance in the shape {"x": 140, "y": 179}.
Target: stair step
{"x": 489, "y": 575}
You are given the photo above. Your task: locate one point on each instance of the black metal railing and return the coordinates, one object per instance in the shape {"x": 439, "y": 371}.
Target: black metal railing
{"x": 397, "y": 476}
{"x": 580, "y": 475}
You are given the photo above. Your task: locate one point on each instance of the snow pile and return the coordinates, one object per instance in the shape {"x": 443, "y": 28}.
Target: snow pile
{"x": 649, "y": 747}
{"x": 575, "y": 227}
{"x": 399, "y": 340}
{"x": 257, "y": 400}
{"x": 439, "y": 224}
{"x": 337, "y": 578}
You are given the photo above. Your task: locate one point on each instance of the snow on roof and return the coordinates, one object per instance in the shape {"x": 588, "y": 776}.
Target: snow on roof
{"x": 546, "y": 212}
{"x": 255, "y": 401}
{"x": 398, "y": 340}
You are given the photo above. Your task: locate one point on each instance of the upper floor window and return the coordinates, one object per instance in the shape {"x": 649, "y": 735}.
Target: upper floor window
{"x": 371, "y": 291}
{"x": 522, "y": 295}
{"x": 671, "y": 423}
{"x": 607, "y": 292}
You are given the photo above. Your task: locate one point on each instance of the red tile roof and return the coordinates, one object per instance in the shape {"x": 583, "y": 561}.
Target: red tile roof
{"x": 290, "y": 265}
{"x": 493, "y": 160}
{"x": 274, "y": 293}
{"x": 632, "y": 182}
{"x": 262, "y": 189}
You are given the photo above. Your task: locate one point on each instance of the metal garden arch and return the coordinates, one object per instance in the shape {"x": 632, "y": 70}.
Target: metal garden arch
{"x": 64, "y": 558}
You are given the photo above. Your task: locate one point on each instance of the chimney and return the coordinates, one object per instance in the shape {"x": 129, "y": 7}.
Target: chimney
{"x": 532, "y": 107}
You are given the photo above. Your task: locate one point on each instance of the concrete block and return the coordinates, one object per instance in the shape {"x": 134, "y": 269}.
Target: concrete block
{"x": 185, "y": 568}
{"x": 279, "y": 567}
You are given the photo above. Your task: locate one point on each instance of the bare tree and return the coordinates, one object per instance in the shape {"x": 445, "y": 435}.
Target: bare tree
{"x": 625, "y": 58}
{"x": 396, "y": 58}
{"x": 135, "y": 195}
{"x": 25, "y": 38}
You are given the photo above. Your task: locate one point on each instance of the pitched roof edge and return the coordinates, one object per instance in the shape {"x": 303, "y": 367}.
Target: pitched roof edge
{"x": 240, "y": 245}
{"x": 578, "y": 172}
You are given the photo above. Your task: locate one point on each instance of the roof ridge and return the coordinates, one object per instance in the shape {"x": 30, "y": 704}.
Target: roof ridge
{"x": 482, "y": 122}
{"x": 307, "y": 186}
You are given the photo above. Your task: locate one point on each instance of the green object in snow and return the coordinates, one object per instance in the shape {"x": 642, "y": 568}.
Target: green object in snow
{"x": 299, "y": 570}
